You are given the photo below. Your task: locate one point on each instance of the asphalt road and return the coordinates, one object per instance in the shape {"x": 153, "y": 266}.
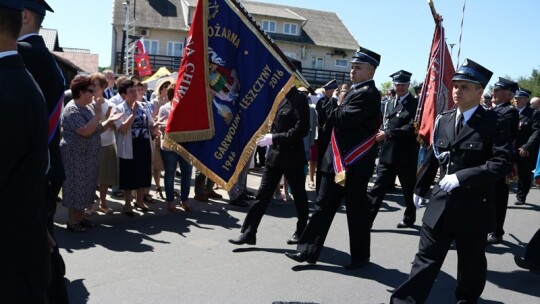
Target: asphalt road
{"x": 160, "y": 257}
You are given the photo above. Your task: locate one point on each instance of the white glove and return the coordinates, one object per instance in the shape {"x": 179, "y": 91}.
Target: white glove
{"x": 264, "y": 141}
{"x": 418, "y": 200}
{"x": 449, "y": 182}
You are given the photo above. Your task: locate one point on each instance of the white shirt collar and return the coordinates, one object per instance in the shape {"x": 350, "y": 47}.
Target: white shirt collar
{"x": 7, "y": 53}
{"x": 27, "y": 35}
{"x": 521, "y": 109}
{"x": 467, "y": 114}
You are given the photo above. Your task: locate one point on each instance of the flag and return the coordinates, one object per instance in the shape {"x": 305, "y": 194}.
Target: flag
{"x": 436, "y": 96}
{"x": 141, "y": 59}
{"x": 230, "y": 83}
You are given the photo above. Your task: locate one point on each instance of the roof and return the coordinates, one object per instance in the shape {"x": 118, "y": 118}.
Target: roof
{"x": 50, "y": 36}
{"x": 158, "y": 14}
{"x": 169, "y": 15}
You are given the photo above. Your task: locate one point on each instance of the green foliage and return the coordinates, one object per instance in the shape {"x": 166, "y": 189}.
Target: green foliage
{"x": 385, "y": 87}
{"x": 531, "y": 83}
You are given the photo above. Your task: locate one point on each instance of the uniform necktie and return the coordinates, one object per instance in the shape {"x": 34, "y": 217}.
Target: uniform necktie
{"x": 459, "y": 124}
{"x": 396, "y": 102}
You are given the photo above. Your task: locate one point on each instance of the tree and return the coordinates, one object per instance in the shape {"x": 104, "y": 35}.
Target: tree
{"x": 531, "y": 83}
{"x": 385, "y": 87}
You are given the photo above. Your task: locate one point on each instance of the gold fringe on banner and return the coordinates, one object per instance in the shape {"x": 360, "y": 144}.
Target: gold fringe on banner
{"x": 170, "y": 143}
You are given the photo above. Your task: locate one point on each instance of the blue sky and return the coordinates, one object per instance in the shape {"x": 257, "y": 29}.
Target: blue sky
{"x": 499, "y": 34}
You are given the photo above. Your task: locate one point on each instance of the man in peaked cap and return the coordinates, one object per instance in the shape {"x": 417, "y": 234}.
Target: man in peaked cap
{"x": 526, "y": 144}
{"x": 353, "y": 122}
{"x": 471, "y": 150}
{"x": 25, "y": 268}
{"x": 418, "y": 89}
{"x": 323, "y": 137}
{"x": 503, "y": 92}
{"x": 399, "y": 149}
{"x": 486, "y": 101}
{"x": 42, "y": 65}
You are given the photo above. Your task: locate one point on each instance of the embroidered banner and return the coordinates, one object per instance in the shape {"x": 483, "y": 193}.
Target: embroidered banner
{"x": 230, "y": 83}
{"x": 436, "y": 96}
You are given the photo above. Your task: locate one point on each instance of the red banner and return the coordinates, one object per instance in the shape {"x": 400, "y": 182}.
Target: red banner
{"x": 436, "y": 96}
{"x": 141, "y": 59}
{"x": 191, "y": 88}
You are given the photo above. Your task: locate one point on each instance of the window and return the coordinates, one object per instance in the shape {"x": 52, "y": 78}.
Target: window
{"x": 269, "y": 26}
{"x": 341, "y": 63}
{"x": 289, "y": 28}
{"x": 151, "y": 46}
{"x": 317, "y": 63}
{"x": 174, "y": 48}
{"x": 291, "y": 55}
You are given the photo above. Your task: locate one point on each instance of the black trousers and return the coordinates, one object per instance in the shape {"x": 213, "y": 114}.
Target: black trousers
{"x": 532, "y": 253}
{"x": 502, "y": 190}
{"x": 57, "y": 292}
{"x": 434, "y": 245}
{"x": 386, "y": 176}
{"x": 329, "y": 199}
{"x": 270, "y": 180}
{"x": 524, "y": 167}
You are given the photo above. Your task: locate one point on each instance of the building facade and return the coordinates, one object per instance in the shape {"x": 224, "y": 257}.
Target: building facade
{"x": 317, "y": 39}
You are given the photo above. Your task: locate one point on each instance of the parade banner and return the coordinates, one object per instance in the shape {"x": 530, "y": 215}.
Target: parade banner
{"x": 230, "y": 83}
{"x": 436, "y": 95}
{"x": 141, "y": 59}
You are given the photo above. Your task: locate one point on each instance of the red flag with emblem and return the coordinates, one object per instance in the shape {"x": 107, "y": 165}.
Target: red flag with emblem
{"x": 141, "y": 59}
{"x": 436, "y": 96}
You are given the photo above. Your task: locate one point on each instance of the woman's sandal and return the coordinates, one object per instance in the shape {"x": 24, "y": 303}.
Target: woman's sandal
{"x": 143, "y": 208}
{"x": 160, "y": 192}
{"x": 105, "y": 210}
{"x": 185, "y": 207}
{"x": 87, "y": 223}
{"x": 77, "y": 227}
{"x": 148, "y": 198}
{"x": 129, "y": 212}
{"x": 172, "y": 208}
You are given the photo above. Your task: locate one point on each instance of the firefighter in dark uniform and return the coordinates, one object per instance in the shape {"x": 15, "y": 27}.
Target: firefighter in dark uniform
{"x": 347, "y": 165}
{"x": 526, "y": 144}
{"x": 472, "y": 150}
{"x": 399, "y": 150}
{"x": 25, "y": 267}
{"x": 42, "y": 65}
{"x": 503, "y": 92}
{"x": 286, "y": 157}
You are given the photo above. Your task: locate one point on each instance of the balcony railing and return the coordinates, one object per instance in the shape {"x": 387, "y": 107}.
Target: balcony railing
{"x": 315, "y": 77}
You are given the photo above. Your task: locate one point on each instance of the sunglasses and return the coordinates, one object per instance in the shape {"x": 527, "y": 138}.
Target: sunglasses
{"x": 91, "y": 91}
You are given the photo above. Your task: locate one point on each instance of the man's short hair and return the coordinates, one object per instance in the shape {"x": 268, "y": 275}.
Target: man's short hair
{"x": 10, "y": 22}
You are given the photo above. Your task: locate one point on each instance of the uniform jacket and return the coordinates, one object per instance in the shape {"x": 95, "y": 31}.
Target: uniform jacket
{"x": 353, "y": 121}
{"x": 400, "y": 146}
{"x": 528, "y": 135}
{"x": 290, "y": 126}
{"x": 324, "y": 132}
{"x": 41, "y": 64}
{"x": 23, "y": 164}
{"x": 509, "y": 118}
{"x": 481, "y": 154}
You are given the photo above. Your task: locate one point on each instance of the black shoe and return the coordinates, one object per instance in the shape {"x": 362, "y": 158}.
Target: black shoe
{"x": 300, "y": 257}
{"x": 357, "y": 264}
{"x": 244, "y": 238}
{"x": 238, "y": 202}
{"x": 519, "y": 203}
{"x": 526, "y": 264}
{"x": 249, "y": 192}
{"x": 293, "y": 239}
{"x": 492, "y": 239}
{"x": 404, "y": 224}
{"x": 246, "y": 197}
